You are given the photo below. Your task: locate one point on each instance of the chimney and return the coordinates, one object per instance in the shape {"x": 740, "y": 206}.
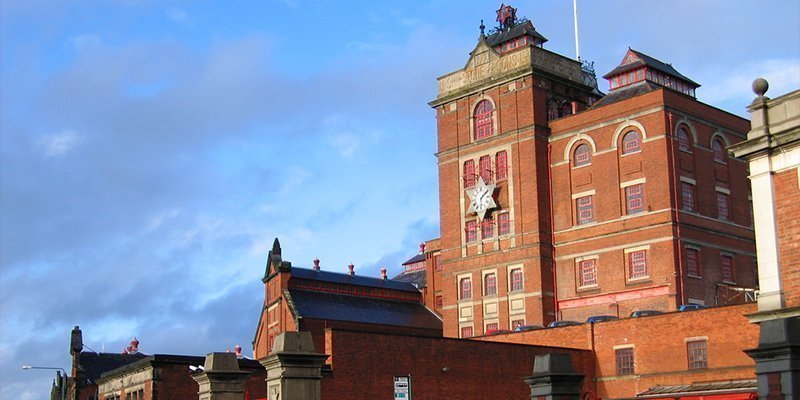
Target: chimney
{"x": 351, "y": 269}
{"x": 238, "y": 351}
{"x": 76, "y": 341}
{"x": 316, "y": 264}
{"x": 134, "y": 345}
{"x": 383, "y": 273}
{"x": 422, "y": 248}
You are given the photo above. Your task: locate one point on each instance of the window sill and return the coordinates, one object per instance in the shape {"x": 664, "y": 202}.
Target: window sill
{"x": 637, "y": 281}
{"x": 694, "y": 276}
{"x": 631, "y": 153}
{"x": 588, "y": 288}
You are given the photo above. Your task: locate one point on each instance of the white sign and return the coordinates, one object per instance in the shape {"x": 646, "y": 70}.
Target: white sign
{"x": 402, "y": 388}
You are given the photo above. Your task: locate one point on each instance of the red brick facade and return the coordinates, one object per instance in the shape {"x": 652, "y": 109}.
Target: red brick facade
{"x": 787, "y": 210}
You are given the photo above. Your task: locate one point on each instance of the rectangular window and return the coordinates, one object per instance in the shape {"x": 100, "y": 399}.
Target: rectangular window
{"x": 588, "y": 272}
{"x": 687, "y": 194}
{"x": 503, "y": 224}
{"x": 637, "y": 262}
{"x": 697, "y": 354}
{"x": 723, "y": 206}
{"x": 491, "y": 327}
{"x": 485, "y": 164}
{"x": 625, "y": 361}
{"x": 437, "y": 262}
{"x": 469, "y": 174}
{"x": 490, "y": 284}
{"x": 517, "y": 322}
{"x": 501, "y": 164}
{"x": 466, "y": 331}
{"x": 634, "y": 198}
{"x": 585, "y": 209}
{"x": 516, "y": 279}
{"x": 692, "y": 262}
{"x": 487, "y": 227}
{"x": 471, "y": 230}
{"x": 438, "y": 301}
{"x": 465, "y": 288}
{"x": 726, "y": 264}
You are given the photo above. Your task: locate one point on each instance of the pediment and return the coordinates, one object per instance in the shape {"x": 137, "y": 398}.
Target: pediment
{"x": 482, "y": 54}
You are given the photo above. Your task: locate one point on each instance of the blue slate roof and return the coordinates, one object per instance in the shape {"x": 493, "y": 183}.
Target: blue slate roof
{"x": 334, "y": 277}
{"x": 645, "y": 60}
{"x": 338, "y": 307}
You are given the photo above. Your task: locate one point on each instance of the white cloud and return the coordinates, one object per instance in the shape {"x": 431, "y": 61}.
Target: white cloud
{"x": 86, "y": 40}
{"x": 345, "y": 143}
{"x": 734, "y": 86}
{"x": 58, "y": 144}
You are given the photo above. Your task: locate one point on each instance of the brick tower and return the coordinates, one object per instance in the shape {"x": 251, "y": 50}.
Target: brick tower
{"x": 494, "y": 187}
{"x": 557, "y": 202}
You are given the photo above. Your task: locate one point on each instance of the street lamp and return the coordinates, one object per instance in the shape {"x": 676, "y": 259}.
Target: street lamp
{"x": 63, "y": 382}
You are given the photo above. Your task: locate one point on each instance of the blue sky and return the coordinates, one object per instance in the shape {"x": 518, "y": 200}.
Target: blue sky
{"x": 152, "y": 150}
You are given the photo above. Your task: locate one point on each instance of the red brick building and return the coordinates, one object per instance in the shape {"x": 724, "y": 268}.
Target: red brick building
{"x": 301, "y": 299}
{"x": 558, "y": 202}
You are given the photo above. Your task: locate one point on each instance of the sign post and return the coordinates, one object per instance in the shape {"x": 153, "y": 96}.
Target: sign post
{"x": 402, "y": 387}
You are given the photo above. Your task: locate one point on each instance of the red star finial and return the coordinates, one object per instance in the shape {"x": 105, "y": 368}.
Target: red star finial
{"x": 504, "y": 13}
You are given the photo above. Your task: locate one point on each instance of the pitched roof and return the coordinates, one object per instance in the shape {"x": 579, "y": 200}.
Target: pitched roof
{"x": 95, "y": 364}
{"x": 416, "y": 258}
{"x": 337, "y": 307}
{"x": 645, "y": 60}
{"x": 696, "y": 389}
{"x": 417, "y": 277}
{"x": 525, "y": 28}
{"x": 335, "y": 277}
{"x": 626, "y": 92}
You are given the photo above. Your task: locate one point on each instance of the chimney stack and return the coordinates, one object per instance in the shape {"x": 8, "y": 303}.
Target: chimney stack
{"x": 316, "y": 264}
{"x": 76, "y": 341}
{"x": 238, "y": 351}
{"x": 422, "y": 248}
{"x": 383, "y": 273}
{"x": 351, "y": 269}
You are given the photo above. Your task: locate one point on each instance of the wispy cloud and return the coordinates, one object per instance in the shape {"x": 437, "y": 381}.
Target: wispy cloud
{"x": 58, "y": 144}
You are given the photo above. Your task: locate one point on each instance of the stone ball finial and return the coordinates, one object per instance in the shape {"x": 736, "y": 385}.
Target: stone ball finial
{"x": 760, "y": 86}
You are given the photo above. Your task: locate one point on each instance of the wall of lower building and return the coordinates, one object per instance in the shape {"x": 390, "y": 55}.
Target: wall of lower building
{"x": 363, "y": 366}
{"x": 787, "y": 210}
{"x": 659, "y": 346}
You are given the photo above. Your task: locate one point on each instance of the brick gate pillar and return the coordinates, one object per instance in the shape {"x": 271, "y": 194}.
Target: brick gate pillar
{"x": 554, "y": 378}
{"x": 221, "y": 378}
{"x": 778, "y": 359}
{"x": 294, "y": 369}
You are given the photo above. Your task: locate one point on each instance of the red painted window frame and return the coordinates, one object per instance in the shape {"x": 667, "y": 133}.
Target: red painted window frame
{"x": 490, "y": 284}
{"x": 582, "y": 155}
{"x": 697, "y": 354}
{"x": 487, "y": 227}
{"x": 588, "y": 272}
{"x": 465, "y": 288}
{"x": 687, "y": 196}
{"x": 501, "y": 164}
{"x": 466, "y": 332}
{"x": 469, "y": 174}
{"x": 726, "y": 268}
{"x": 631, "y": 142}
{"x": 624, "y": 361}
{"x": 483, "y": 120}
{"x": 637, "y": 264}
{"x": 718, "y": 149}
{"x": 492, "y": 326}
{"x": 438, "y": 301}
{"x": 723, "y": 206}
{"x": 503, "y": 224}
{"x": 584, "y": 209}
{"x": 485, "y": 166}
{"x": 692, "y": 261}
{"x": 634, "y": 199}
{"x": 684, "y": 140}
{"x": 516, "y": 280}
{"x": 471, "y": 229}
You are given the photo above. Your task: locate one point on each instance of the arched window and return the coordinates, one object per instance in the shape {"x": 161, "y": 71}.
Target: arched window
{"x": 483, "y": 119}
{"x": 631, "y": 142}
{"x": 719, "y": 150}
{"x": 684, "y": 141}
{"x": 583, "y": 155}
